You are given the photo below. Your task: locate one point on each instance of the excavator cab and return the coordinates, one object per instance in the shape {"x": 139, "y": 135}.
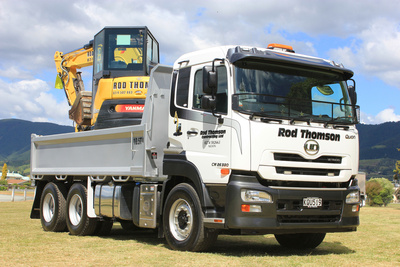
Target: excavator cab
{"x": 123, "y": 58}
{"x": 118, "y": 51}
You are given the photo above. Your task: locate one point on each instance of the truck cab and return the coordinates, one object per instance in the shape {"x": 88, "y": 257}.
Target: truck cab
{"x": 277, "y": 128}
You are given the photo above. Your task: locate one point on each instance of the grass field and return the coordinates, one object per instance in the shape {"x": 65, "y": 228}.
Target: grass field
{"x": 24, "y": 243}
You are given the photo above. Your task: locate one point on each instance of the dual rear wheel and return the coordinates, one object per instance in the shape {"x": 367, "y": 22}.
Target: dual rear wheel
{"x": 60, "y": 211}
{"x": 52, "y": 208}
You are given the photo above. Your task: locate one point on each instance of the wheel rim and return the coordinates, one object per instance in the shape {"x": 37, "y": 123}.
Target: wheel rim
{"x": 75, "y": 210}
{"x": 48, "y": 207}
{"x": 181, "y": 219}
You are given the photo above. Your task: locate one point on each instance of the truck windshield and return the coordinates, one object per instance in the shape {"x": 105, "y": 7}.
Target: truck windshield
{"x": 288, "y": 92}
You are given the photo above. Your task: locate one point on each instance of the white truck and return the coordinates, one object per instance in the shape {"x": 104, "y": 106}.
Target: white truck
{"x": 233, "y": 140}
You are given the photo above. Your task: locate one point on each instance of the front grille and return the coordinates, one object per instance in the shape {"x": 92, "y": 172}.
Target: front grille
{"x": 298, "y": 158}
{"x": 333, "y": 207}
{"x": 307, "y": 171}
{"x": 308, "y": 219}
{"x": 297, "y": 205}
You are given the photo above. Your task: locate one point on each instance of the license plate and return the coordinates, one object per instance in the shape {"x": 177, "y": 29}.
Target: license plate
{"x": 312, "y": 202}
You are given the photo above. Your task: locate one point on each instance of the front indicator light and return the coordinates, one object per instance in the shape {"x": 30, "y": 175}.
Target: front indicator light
{"x": 255, "y": 196}
{"x": 353, "y": 197}
{"x": 251, "y": 208}
{"x": 355, "y": 208}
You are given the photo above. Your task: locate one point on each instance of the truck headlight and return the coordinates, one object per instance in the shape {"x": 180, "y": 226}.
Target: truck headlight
{"x": 255, "y": 196}
{"x": 353, "y": 197}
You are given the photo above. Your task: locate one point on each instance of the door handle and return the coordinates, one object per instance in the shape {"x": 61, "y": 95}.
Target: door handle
{"x": 192, "y": 132}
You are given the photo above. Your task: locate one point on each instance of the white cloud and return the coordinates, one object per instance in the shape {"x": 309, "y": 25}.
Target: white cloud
{"x": 383, "y": 116}
{"x": 33, "y": 30}
{"x": 376, "y": 51}
{"x": 31, "y": 100}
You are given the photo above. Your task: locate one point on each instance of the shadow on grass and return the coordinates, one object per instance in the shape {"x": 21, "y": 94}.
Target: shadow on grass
{"x": 237, "y": 246}
{"x": 145, "y": 236}
{"x": 240, "y": 246}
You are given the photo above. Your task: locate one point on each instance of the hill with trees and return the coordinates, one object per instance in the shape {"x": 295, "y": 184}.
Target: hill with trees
{"x": 378, "y": 144}
{"x": 15, "y": 139}
{"x": 379, "y": 141}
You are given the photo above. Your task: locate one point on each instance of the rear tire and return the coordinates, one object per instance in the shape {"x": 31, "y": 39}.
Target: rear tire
{"x": 301, "y": 241}
{"x": 78, "y": 222}
{"x": 183, "y": 221}
{"x": 52, "y": 208}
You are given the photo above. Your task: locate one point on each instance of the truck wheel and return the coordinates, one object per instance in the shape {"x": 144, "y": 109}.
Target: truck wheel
{"x": 300, "y": 241}
{"x": 78, "y": 222}
{"x": 183, "y": 221}
{"x": 52, "y": 208}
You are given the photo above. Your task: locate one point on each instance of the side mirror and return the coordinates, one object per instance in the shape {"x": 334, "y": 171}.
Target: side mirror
{"x": 208, "y": 102}
{"x": 352, "y": 92}
{"x": 210, "y": 80}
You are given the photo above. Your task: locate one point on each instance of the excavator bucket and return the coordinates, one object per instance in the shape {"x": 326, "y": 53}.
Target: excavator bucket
{"x": 59, "y": 84}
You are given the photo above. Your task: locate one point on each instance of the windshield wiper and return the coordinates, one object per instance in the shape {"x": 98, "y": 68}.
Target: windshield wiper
{"x": 263, "y": 118}
{"x": 336, "y": 126}
{"x": 344, "y": 127}
{"x": 308, "y": 120}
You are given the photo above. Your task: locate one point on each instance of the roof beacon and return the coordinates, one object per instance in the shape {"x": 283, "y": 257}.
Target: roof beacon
{"x": 281, "y": 47}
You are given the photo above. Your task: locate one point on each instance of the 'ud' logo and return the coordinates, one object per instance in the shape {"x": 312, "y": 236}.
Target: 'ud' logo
{"x": 311, "y": 147}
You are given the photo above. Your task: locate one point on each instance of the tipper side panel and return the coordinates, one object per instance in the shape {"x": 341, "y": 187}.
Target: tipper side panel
{"x": 135, "y": 151}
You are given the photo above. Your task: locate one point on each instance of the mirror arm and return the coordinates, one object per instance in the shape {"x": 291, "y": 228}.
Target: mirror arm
{"x": 220, "y": 119}
{"x": 222, "y": 60}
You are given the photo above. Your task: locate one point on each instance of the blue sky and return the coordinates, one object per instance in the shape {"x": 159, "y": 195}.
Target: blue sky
{"x": 363, "y": 35}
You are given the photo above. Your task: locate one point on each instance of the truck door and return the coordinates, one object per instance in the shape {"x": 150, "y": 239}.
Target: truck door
{"x": 204, "y": 140}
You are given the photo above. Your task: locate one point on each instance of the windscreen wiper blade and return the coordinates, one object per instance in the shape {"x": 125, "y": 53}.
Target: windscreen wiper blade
{"x": 263, "y": 118}
{"x": 308, "y": 120}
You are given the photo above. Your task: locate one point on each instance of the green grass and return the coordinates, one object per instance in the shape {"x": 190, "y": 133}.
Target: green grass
{"x": 24, "y": 243}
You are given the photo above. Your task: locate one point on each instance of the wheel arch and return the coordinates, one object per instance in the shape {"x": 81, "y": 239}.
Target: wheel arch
{"x": 183, "y": 171}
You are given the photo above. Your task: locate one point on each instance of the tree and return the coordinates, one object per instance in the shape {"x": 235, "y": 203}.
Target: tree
{"x": 4, "y": 172}
{"x": 379, "y": 191}
{"x": 397, "y": 194}
{"x": 397, "y": 170}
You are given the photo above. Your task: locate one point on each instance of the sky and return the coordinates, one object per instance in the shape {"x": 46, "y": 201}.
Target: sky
{"x": 364, "y": 35}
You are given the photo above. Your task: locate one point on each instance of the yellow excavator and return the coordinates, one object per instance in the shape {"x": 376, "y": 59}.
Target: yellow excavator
{"x": 122, "y": 58}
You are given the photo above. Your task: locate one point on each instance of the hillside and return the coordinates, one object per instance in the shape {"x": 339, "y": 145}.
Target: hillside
{"x": 378, "y": 143}
{"x": 15, "y": 138}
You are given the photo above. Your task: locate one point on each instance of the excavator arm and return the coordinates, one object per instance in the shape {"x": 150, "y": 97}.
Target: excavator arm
{"x": 69, "y": 78}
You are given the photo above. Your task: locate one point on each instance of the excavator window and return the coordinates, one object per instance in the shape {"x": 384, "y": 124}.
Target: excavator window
{"x": 126, "y": 51}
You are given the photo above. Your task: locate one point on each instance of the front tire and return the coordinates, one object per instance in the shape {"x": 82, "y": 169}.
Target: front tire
{"x": 183, "y": 221}
{"x": 300, "y": 241}
{"x": 78, "y": 222}
{"x": 52, "y": 208}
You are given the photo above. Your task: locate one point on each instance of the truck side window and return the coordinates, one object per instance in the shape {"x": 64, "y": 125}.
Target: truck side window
{"x": 182, "y": 90}
{"x": 222, "y": 90}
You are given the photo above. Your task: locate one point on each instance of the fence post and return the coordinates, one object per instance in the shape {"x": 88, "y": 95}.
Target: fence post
{"x": 25, "y": 194}
{"x": 13, "y": 193}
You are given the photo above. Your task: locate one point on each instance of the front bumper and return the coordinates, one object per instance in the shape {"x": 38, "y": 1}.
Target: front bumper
{"x": 286, "y": 213}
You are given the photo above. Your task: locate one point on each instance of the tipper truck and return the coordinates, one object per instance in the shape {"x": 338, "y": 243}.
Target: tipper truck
{"x": 232, "y": 140}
